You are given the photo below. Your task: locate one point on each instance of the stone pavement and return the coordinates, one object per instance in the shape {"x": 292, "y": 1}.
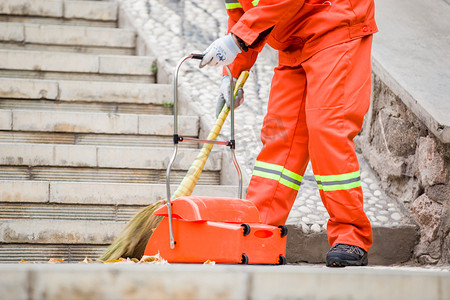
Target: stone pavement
{"x": 190, "y": 26}
{"x": 125, "y": 281}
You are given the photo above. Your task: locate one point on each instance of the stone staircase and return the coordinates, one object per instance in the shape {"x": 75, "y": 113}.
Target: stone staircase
{"x": 85, "y": 131}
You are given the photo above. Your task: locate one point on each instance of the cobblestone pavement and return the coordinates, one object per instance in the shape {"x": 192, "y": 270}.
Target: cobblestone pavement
{"x": 182, "y": 27}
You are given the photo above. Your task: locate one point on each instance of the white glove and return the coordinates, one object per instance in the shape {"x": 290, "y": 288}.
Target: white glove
{"x": 221, "y": 52}
{"x": 224, "y": 96}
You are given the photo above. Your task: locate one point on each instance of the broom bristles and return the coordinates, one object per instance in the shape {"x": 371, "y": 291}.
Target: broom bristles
{"x": 133, "y": 239}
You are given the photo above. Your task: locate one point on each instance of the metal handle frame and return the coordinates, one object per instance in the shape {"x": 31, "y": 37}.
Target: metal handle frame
{"x": 176, "y": 139}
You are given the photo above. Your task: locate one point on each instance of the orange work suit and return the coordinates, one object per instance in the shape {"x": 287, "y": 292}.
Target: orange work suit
{"x": 319, "y": 95}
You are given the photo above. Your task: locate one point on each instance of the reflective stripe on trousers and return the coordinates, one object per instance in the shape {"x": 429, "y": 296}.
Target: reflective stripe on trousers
{"x": 278, "y": 173}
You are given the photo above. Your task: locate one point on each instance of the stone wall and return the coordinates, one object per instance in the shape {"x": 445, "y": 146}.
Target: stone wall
{"x": 413, "y": 165}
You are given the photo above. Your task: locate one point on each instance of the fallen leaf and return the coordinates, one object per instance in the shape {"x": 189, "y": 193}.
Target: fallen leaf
{"x": 23, "y": 262}
{"x": 87, "y": 260}
{"x": 111, "y": 261}
{"x": 209, "y": 262}
{"x": 125, "y": 261}
{"x": 155, "y": 259}
{"x": 55, "y": 260}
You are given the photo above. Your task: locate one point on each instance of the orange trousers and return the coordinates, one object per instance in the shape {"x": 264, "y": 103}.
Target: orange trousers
{"x": 314, "y": 112}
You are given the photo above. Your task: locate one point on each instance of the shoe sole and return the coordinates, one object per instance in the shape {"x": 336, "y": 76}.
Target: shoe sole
{"x": 345, "y": 263}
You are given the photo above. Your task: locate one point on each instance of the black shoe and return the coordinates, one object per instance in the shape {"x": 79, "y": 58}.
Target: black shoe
{"x": 341, "y": 255}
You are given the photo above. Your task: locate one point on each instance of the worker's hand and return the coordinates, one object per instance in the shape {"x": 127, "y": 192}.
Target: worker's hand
{"x": 221, "y": 52}
{"x": 224, "y": 95}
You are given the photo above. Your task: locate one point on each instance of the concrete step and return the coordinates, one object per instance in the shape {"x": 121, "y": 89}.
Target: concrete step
{"x": 196, "y": 281}
{"x": 88, "y": 107}
{"x": 56, "y": 38}
{"x": 65, "y": 9}
{"x": 59, "y": 232}
{"x": 65, "y": 194}
{"x": 40, "y": 155}
{"x": 72, "y": 253}
{"x": 76, "y": 66}
{"x": 102, "y": 175}
{"x": 83, "y": 122}
{"x": 86, "y": 91}
{"x": 86, "y": 201}
{"x": 58, "y": 21}
{"x": 91, "y": 139}
{"x": 24, "y": 212}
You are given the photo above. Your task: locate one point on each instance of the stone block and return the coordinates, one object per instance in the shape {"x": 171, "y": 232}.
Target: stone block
{"x": 439, "y": 193}
{"x": 393, "y": 245}
{"x": 427, "y": 213}
{"x": 312, "y": 247}
{"x": 5, "y": 119}
{"x": 96, "y": 91}
{"x": 75, "y": 122}
{"x": 43, "y": 8}
{"x": 399, "y": 134}
{"x": 24, "y": 191}
{"x": 90, "y": 10}
{"x": 78, "y": 36}
{"x": 430, "y": 163}
{"x": 11, "y": 32}
{"x": 158, "y": 124}
{"x": 301, "y": 247}
{"x": 152, "y": 158}
{"x": 103, "y": 193}
{"x": 48, "y": 61}
{"x": 59, "y": 231}
{"x": 16, "y": 88}
{"x": 75, "y": 156}
{"x": 124, "y": 193}
{"x": 47, "y": 155}
{"x": 130, "y": 65}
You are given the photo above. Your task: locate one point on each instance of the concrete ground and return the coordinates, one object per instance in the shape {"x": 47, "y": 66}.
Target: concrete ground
{"x": 126, "y": 281}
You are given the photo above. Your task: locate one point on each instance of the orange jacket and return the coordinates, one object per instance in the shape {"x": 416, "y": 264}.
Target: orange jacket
{"x": 297, "y": 28}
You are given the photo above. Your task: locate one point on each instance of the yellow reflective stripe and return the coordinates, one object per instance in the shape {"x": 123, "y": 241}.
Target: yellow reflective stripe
{"x": 232, "y": 4}
{"x": 266, "y": 175}
{"x": 340, "y": 177}
{"x": 278, "y": 173}
{"x": 339, "y": 187}
{"x": 268, "y": 166}
{"x": 292, "y": 175}
{"x": 236, "y": 4}
{"x": 289, "y": 184}
{"x": 339, "y": 182}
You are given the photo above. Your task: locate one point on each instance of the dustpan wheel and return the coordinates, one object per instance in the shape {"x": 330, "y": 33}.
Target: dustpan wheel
{"x": 284, "y": 230}
{"x": 282, "y": 260}
{"x": 244, "y": 259}
{"x": 247, "y": 229}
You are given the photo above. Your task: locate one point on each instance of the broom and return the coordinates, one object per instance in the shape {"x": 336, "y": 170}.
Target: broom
{"x": 133, "y": 239}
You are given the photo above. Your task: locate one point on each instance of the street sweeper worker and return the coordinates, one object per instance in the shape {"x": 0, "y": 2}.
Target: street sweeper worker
{"x": 319, "y": 95}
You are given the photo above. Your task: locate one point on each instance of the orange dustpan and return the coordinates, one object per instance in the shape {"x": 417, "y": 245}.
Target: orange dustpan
{"x": 225, "y": 230}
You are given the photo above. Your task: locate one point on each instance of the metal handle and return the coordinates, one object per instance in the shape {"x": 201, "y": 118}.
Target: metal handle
{"x": 176, "y": 139}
